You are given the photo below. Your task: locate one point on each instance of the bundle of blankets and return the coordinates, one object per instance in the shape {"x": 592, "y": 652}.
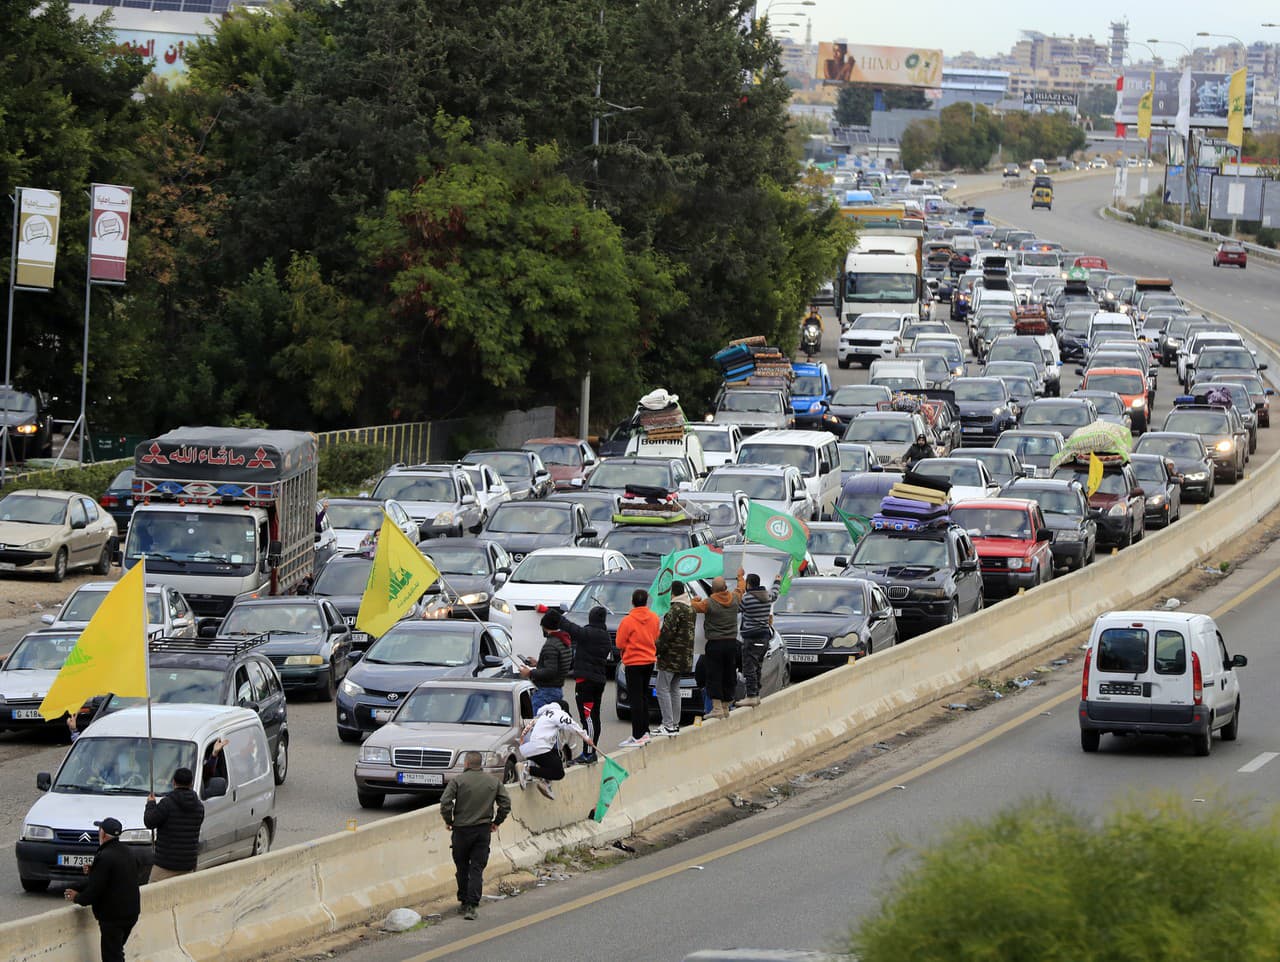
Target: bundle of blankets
{"x": 917, "y": 501}
{"x": 649, "y": 505}
{"x": 751, "y": 360}
{"x": 660, "y": 417}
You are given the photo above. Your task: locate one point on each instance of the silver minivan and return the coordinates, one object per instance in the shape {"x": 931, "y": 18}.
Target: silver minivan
{"x": 106, "y": 774}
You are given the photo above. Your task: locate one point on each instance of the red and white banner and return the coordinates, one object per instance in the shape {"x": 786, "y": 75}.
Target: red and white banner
{"x": 109, "y": 232}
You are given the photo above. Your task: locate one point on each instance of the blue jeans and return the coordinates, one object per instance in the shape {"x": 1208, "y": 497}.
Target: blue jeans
{"x": 546, "y": 696}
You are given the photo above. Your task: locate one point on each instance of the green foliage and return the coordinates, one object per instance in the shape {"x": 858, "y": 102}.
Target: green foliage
{"x": 1268, "y": 237}
{"x": 1027, "y": 135}
{"x": 1152, "y": 881}
{"x": 967, "y": 137}
{"x": 918, "y": 147}
{"x": 347, "y": 465}
{"x": 92, "y": 479}
{"x": 854, "y": 103}
{"x": 1098, "y": 104}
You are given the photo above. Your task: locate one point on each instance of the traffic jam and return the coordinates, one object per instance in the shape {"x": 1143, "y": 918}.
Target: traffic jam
{"x": 1002, "y": 429}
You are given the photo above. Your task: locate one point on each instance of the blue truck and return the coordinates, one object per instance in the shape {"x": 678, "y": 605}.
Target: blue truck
{"x": 811, "y": 392}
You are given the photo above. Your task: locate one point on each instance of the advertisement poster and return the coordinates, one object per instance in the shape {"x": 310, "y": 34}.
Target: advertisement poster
{"x": 38, "y": 215}
{"x": 109, "y": 232}
{"x": 840, "y": 63}
{"x": 1210, "y": 98}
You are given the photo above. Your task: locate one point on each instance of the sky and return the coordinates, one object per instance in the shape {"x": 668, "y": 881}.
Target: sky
{"x": 989, "y": 28}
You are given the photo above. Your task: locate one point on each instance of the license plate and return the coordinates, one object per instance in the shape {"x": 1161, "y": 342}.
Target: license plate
{"x": 807, "y": 656}
{"x": 8, "y": 566}
{"x": 359, "y": 638}
{"x": 26, "y": 714}
{"x": 75, "y": 861}
{"x": 419, "y": 778}
{"x": 383, "y": 714}
{"x": 686, "y": 693}
{"x": 897, "y": 612}
{"x": 971, "y": 430}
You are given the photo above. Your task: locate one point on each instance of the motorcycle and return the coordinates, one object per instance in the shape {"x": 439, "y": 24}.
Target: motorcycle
{"x": 811, "y": 339}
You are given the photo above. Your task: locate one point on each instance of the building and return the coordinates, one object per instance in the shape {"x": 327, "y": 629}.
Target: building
{"x": 973, "y": 86}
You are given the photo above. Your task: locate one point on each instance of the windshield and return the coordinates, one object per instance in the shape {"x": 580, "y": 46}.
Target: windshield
{"x": 751, "y": 402}
{"x": 82, "y": 605}
{"x": 32, "y": 509}
{"x": 876, "y": 322}
{"x": 509, "y": 464}
{"x": 1211, "y": 360}
{"x": 17, "y": 402}
{"x": 760, "y": 487}
{"x": 361, "y": 517}
{"x": 612, "y": 474}
{"x": 346, "y": 577}
{"x": 284, "y": 619}
{"x": 413, "y": 646}
{"x": 1198, "y": 422}
{"x": 458, "y": 559}
{"x": 1118, "y": 383}
{"x": 807, "y": 385}
{"x": 183, "y": 686}
{"x": 613, "y": 596}
{"x": 1113, "y": 482}
{"x": 557, "y": 569}
{"x": 1051, "y": 501}
{"x": 415, "y": 487}
{"x": 957, "y": 472}
{"x": 199, "y": 536}
{"x": 821, "y": 600}
{"x": 714, "y": 440}
{"x": 804, "y": 458}
{"x": 1106, "y": 403}
{"x": 996, "y": 462}
{"x": 966, "y": 390}
{"x": 557, "y": 452}
{"x": 533, "y": 518}
{"x": 864, "y": 504}
{"x": 1015, "y": 350}
{"x": 34, "y": 652}
{"x": 994, "y": 522}
{"x": 1029, "y": 445}
{"x": 1149, "y": 472}
{"x": 718, "y": 514}
{"x": 1169, "y": 447}
{"x": 881, "y": 550}
{"x": 949, "y": 350}
{"x": 888, "y": 288}
{"x": 854, "y": 458}
{"x": 1039, "y": 259}
{"x": 123, "y": 766}
{"x": 457, "y": 706}
{"x": 835, "y": 541}
{"x": 1070, "y": 415}
{"x": 867, "y": 430}
{"x": 642, "y": 541}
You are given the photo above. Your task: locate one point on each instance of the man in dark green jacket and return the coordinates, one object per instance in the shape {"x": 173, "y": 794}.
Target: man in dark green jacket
{"x": 468, "y": 809}
{"x": 675, "y": 656}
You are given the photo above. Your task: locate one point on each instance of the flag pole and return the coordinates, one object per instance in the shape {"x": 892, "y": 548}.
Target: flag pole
{"x": 146, "y": 668}
{"x": 471, "y": 611}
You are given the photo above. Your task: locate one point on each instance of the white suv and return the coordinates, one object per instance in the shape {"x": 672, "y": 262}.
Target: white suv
{"x": 872, "y": 336}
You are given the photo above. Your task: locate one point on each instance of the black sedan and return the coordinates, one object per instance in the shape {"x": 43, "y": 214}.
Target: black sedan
{"x": 826, "y": 621}
{"x": 986, "y": 409}
{"x": 1190, "y": 459}
{"x": 524, "y": 472}
{"x": 117, "y": 500}
{"x": 307, "y": 639}
{"x": 1163, "y": 488}
{"x": 1066, "y": 512}
{"x": 472, "y": 569}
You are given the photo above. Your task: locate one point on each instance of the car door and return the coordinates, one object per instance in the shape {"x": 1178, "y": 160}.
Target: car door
{"x": 968, "y": 577}
{"x": 468, "y": 504}
{"x": 1230, "y": 683}
{"x": 98, "y": 527}
{"x": 218, "y": 830}
{"x": 339, "y": 639}
{"x": 78, "y": 534}
{"x": 251, "y": 785}
{"x": 884, "y": 630}
{"x": 270, "y": 704}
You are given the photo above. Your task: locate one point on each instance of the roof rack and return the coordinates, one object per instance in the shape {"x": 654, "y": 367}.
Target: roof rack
{"x": 208, "y": 646}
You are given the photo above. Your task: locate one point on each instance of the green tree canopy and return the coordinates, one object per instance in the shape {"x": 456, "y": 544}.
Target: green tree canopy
{"x": 854, "y": 102}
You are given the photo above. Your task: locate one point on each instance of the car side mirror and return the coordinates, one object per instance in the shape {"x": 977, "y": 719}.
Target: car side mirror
{"x": 44, "y": 781}
{"x": 1044, "y": 534}
{"x": 355, "y": 656}
{"x": 216, "y": 787}
{"x": 878, "y": 616}
{"x": 590, "y": 534}
{"x": 208, "y": 627}
{"x": 1080, "y": 371}
{"x": 491, "y": 661}
{"x": 467, "y": 499}
{"x": 476, "y": 528}
{"x": 274, "y": 550}
{"x": 1269, "y": 391}
{"x": 841, "y": 561}
{"x": 1262, "y": 367}
{"x": 969, "y": 565}
{"x": 48, "y": 619}
{"x": 500, "y": 577}
{"x": 79, "y": 524}
{"x": 1239, "y": 661}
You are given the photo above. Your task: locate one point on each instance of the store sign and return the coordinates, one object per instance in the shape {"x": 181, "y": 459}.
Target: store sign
{"x": 1049, "y": 98}
{"x": 109, "y": 232}
{"x": 38, "y": 215}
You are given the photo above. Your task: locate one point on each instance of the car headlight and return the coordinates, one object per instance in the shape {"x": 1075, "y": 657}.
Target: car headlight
{"x": 1117, "y": 510}
{"x": 1066, "y": 535}
{"x": 1156, "y": 500}
{"x": 492, "y": 759}
{"x": 374, "y": 755}
{"x": 474, "y": 598}
{"x": 1197, "y": 476}
{"x": 136, "y": 835}
{"x": 931, "y": 594}
{"x": 1139, "y": 403}
{"x": 304, "y": 660}
{"x": 42, "y": 543}
{"x": 1016, "y": 564}
{"x": 500, "y": 604}
{"x": 444, "y": 517}
{"x": 26, "y": 429}
{"x": 1224, "y": 446}
{"x": 37, "y": 833}
{"x": 998, "y": 411}
{"x": 851, "y": 640}
{"x": 350, "y": 688}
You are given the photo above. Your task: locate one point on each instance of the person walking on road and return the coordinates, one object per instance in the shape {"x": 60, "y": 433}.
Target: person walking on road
{"x": 721, "y": 628}
{"x": 473, "y": 806}
{"x": 555, "y": 662}
{"x": 540, "y": 745}
{"x": 111, "y": 890}
{"x": 176, "y": 819}
{"x": 757, "y": 628}
{"x": 674, "y": 656}
{"x": 637, "y": 640}
{"x": 591, "y": 649}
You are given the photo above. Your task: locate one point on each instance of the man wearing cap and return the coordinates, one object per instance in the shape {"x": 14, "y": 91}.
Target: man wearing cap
{"x": 112, "y": 890}
{"x": 176, "y": 819}
{"x": 555, "y": 661}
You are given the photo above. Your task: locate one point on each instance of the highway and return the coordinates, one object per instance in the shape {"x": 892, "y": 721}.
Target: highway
{"x": 798, "y": 875}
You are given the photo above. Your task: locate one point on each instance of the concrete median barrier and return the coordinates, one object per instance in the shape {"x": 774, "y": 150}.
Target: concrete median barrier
{"x": 258, "y": 906}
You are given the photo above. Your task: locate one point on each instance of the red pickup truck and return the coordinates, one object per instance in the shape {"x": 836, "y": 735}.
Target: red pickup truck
{"x": 1012, "y": 539}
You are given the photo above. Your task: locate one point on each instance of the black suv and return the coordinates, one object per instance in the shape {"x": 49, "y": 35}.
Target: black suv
{"x": 930, "y": 574}
{"x": 30, "y": 430}
{"x": 218, "y": 671}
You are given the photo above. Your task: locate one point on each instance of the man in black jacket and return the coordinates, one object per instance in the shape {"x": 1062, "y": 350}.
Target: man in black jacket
{"x": 555, "y": 661}
{"x": 112, "y": 890}
{"x": 177, "y": 819}
{"x": 592, "y": 646}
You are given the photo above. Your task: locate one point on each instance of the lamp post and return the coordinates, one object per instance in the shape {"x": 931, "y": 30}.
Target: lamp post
{"x": 1186, "y": 141}
{"x": 1239, "y": 150}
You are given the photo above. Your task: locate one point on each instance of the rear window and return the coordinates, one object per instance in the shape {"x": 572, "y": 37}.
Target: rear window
{"x": 1123, "y": 650}
{"x": 1171, "y": 653}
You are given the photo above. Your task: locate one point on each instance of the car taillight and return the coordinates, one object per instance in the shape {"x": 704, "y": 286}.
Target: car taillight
{"x": 1084, "y": 679}
{"x": 109, "y": 501}
{"x": 1197, "y": 680}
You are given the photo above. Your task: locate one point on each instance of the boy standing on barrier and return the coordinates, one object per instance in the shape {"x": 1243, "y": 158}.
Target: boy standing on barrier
{"x": 757, "y": 628}
{"x": 473, "y": 806}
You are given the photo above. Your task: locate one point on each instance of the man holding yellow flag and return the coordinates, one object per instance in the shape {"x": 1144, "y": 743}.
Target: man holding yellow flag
{"x": 399, "y": 577}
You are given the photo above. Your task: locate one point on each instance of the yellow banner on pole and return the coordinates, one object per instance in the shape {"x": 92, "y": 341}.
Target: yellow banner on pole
{"x": 1235, "y": 108}
{"x": 398, "y": 578}
{"x": 1144, "y": 115}
{"x": 1095, "y": 475}
{"x": 39, "y": 212}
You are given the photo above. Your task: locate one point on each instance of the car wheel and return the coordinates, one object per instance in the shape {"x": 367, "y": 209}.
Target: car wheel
{"x": 1090, "y": 740}
{"x": 325, "y": 691}
{"x": 60, "y": 565}
{"x": 1203, "y": 744}
{"x": 843, "y": 362}
{"x": 508, "y": 772}
{"x": 280, "y": 767}
{"x": 348, "y": 736}
{"x": 262, "y": 839}
{"x": 35, "y": 885}
{"x": 103, "y": 567}
{"x": 1093, "y": 554}
{"x": 370, "y": 799}
{"x": 1231, "y": 730}
{"x": 1239, "y": 476}
{"x": 953, "y": 614}
{"x": 624, "y": 714}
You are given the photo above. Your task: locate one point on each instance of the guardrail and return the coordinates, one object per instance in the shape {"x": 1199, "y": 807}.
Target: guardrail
{"x": 1195, "y": 233}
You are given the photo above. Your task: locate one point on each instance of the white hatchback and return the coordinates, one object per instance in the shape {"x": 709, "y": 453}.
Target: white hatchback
{"x": 551, "y": 576}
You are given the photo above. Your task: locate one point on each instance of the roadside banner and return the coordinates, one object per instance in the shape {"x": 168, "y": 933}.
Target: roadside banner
{"x": 39, "y": 212}
{"x": 109, "y": 232}
{"x": 399, "y": 577}
{"x": 693, "y": 564}
{"x": 1235, "y": 107}
{"x": 777, "y": 529}
{"x": 612, "y": 775}
{"x": 1144, "y": 115}
{"x": 841, "y": 63}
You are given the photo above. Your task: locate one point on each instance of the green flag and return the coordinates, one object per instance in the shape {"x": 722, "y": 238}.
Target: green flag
{"x": 693, "y": 564}
{"x": 777, "y": 529}
{"x": 611, "y": 778}
{"x": 857, "y": 525}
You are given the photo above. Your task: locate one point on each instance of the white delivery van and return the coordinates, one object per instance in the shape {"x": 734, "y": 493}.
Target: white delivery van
{"x": 106, "y": 774}
{"x": 1159, "y": 673}
{"x": 815, "y": 453}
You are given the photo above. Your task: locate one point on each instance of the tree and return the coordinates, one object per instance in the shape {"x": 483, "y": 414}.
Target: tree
{"x": 1152, "y": 881}
{"x": 919, "y": 145}
{"x": 855, "y": 102}
{"x": 967, "y": 136}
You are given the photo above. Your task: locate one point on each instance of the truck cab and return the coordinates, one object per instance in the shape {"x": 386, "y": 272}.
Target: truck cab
{"x": 811, "y": 396}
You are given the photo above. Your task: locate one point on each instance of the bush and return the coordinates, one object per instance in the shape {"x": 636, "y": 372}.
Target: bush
{"x": 349, "y": 464}
{"x": 1268, "y": 237}
{"x": 92, "y": 479}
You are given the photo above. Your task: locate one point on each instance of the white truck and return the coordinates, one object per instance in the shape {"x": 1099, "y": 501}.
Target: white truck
{"x": 884, "y": 273}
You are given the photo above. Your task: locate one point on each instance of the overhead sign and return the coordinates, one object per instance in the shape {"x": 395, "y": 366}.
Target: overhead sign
{"x": 1210, "y": 101}
{"x": 842, "y": 63}
{"x": 109, "y": 231}
{"x": 1049, "y": 98}
{"x": 38, "y": 216}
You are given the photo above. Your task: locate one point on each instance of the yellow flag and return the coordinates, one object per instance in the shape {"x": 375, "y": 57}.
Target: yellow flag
{"x": 1235, "y": 108}
{"x": 111, "y": 655}
{"x": 1095, "y": 475}
{"x": 400, "y": 574}
{"x": 1144, "y": 115}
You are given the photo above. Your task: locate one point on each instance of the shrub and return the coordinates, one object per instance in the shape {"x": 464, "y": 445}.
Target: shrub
{"x": 92, "y": 479}
{"x": 351, "y": 464}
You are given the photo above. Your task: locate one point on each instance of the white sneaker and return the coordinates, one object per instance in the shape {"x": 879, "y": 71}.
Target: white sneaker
{"x": 522, "y": 773}
{"x": 671, "y": 732}
{"x": 634, "y": 742}
{"x": 544, "y": 786}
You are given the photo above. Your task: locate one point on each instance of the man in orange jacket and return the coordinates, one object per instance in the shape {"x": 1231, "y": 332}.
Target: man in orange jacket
{"x": 637, "y": 640}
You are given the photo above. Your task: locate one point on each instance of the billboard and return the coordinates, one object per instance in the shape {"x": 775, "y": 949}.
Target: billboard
{"x": 1209, "y": 100}
{"x": 109, "y": 231}
{"x": 38, "y": 215}
{"x": 164, "y": 52}
{"x": 841, "y": 63}
{"x": 1049, "y": 98}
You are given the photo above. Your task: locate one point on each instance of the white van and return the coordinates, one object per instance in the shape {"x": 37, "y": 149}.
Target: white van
{"x": 688, "y": 448}
{"x": 1159, "y": 673}
{"x": 899, "y": 375}
{"x": 815, "y": 453}
{"x": 105, "y": 774}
